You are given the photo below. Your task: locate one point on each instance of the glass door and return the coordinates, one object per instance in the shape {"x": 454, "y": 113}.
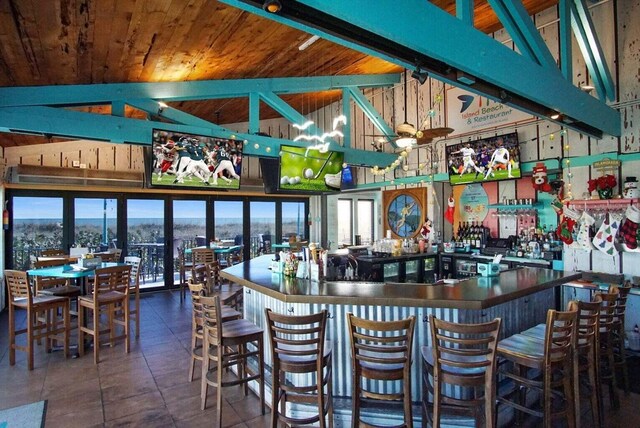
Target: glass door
{"x": 95, "y": 224}
{"x": 37, "y": 225}
{"x": 189, "y": 228}
{"x": 263, "y": 227}
{"x": 145, "y": 239}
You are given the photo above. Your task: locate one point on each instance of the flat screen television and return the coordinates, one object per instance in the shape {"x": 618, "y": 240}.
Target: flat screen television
{"x": 348, "y": 178}
{"x": 305, "y": 169}
{"x": 487, "y": 159}
{"x": 177, "y": 159}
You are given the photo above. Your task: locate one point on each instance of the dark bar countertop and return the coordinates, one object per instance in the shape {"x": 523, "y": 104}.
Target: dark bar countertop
{"x": 471, "y": 293}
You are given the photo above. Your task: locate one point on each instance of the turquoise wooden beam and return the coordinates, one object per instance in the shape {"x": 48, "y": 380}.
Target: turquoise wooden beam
{"x": 464, "y": 11}
{"x": 152, "y": 107}
{"x": 566, "y": 55}
{"x": 293, "y": 116}
{"x": 254, "y": 113}
{"x": 587, "y": 39}
{"x": 117, "y": 108}
{"x": 182, "y": 91}
{"x": 420, "y": 29}
{"x": 518, "y": 23}
{"x": 346, "y": 111}
{"x": 76, "y": 124}
{"x": 374, "y": 116}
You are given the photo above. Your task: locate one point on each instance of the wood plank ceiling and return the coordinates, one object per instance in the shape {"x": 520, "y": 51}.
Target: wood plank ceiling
{"x": 58, "y": 42}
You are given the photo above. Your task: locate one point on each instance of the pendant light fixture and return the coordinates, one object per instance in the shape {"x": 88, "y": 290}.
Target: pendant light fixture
{"x": 406, "y": 131}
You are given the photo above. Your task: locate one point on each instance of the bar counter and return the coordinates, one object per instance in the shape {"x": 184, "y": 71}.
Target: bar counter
{"x": 521, "y": 297}
{"x": 470, "y": 293}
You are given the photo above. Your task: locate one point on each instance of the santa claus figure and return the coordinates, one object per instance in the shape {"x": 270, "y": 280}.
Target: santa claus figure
{"x": 539, "y": 178}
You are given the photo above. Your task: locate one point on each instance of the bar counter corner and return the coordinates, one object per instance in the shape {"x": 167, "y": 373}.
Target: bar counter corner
{"x": 521, "y": 297}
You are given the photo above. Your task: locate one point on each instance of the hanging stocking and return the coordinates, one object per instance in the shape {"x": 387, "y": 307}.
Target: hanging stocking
{"x": 451, "y": 208}
{"x": 606, "y": 234}
{"x": 583, "y": 242}
{"x": 567, "y": 223}
{"x": 629, "y": 229}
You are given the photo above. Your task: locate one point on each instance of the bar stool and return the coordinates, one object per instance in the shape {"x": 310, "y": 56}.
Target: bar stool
{"x": 54, "y": 286}
{"x": 228, "y": 314}
{"x": 218, "y": 338}
{"x": 20, "y": 297}
{"x": 588, "y": 352}
{"x": 554, "y": 357}
{"x": 606, "y": 368}
{"x": 619, "y": 354}
{"x": 381, "y": 351}
{"x": 134, "y": 289}
{"x": 462, "y": 355}
{"x": 298, "y": 347}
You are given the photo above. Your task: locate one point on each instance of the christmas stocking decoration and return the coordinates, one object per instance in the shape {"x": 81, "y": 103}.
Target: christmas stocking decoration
{"x": 629, "y": 229}
{"x": 567, "y": 223}
{"x": 451, "y": 208}
{"x": 606, "y": 235}
{"x": 582, "y": 240}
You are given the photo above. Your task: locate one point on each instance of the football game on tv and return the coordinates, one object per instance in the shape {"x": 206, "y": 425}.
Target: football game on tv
{"x": 195, "y": 161}
{"x": 488, "y": 159}
{"x": 310, "y": 170}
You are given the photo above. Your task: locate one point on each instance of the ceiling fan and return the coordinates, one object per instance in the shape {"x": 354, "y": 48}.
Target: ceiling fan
{"x": 407, "y": 134}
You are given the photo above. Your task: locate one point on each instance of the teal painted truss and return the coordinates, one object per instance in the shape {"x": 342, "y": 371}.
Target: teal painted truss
{"x": 420, "y": 31}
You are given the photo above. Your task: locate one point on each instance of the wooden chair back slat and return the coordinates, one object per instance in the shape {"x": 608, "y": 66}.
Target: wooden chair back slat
{"x": 297, "y": 335}
{"x": 18, "y": 285}
{"x": 52, "y": 252}
{"x": 115, "y": 278}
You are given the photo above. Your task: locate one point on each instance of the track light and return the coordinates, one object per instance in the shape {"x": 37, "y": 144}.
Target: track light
{"x": 555, "y": 116}
{"x": 272, "y": 6}
{"x": 420, "y": 76}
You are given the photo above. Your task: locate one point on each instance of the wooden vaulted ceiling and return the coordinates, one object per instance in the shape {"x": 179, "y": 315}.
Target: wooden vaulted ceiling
{"x": 58, "y": 42}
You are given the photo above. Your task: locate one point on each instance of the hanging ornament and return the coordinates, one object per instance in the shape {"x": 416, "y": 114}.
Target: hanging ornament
{"x": 539, "y": 178}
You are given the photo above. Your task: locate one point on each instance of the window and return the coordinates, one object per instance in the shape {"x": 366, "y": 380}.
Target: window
{"x": 293, "y": 220}
{"x": 263, "y": 227}
{"x": 145, "y": 238}
{"x": 345, "y": 216}
{"x": 189, "y": 223}
{"x": 364, "y": 225}
{"x": 96, "y": 223}
{"x": 37, "y": 225}
{"x": 228, "y": 219}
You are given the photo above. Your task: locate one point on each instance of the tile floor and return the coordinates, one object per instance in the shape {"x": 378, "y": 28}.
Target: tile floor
{"x": 149, "y": 386}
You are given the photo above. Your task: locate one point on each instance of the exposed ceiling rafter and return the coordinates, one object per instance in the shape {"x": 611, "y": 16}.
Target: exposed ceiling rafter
{"x": 421, "y": 33}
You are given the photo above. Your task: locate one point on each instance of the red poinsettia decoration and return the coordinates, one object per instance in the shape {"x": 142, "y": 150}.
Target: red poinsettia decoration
{"x": 605, "y": 182}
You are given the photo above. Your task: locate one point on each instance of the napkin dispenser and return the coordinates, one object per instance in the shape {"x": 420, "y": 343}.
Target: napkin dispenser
{"x": 90, "y": 263}
{"x": 488, "y": 269}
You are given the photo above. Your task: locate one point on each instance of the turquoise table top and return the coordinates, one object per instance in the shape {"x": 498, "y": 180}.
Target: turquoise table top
{"x": 219, "y": 250}
{"x": 67, "y": 271}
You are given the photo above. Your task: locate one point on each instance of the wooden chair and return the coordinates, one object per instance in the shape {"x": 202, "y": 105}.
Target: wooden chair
{"x": 298, "y": 347}
{"x": 606, "y": 367}
{"x": 218, "y": 338}
{"x": 208, "y": 275}
{"x": 134, "y": 289}
{"x": 619, "y": 336}
{"x": 201, "y": 256}
{"x": 588, "y": 352}
{"x": 228, "y": 314}
{"x": 109, "y": 256}
{"x": 110, "y": 296}
{"x": 53, "y": 252}
{"x": 381, "y": 351}
{"x": 21, "y": 297}
{"x": 464, "y": 356}
{"x": 55, "y": 286}
{"x": 554, "y": 357}
{"x": 183, "y": 267}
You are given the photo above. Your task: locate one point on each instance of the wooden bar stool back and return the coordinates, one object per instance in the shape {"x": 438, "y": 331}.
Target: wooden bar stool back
{"x": 206, "y": 275}
{"x": 110, "y": 296}
{"x": 201, "y": 256}
{"x": 381, "y": 351}
{"x": 134, "y": 289}
{"x": 21, "y": 297}
{"x": 619, "y": 336}
{"x": 462, "y": 355}
{"x": 53, "y": 252}
{"x": 227, "y": 344}
{"x": 228, "y": 313}
{"x": 299, "y": 348}
{"x": 54, "y": 286}
{"x": 554, "y": 357}
{"x": 606, "y": 367}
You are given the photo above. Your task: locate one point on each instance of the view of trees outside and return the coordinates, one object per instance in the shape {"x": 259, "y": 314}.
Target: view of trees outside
{"x": 37, "y": 225}
{"x": 96, "y": 223}
{"x": 145, "y": 238}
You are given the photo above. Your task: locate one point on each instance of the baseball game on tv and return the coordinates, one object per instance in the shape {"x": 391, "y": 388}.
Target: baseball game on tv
{"x": 194, "y": 161}
{"x": 487, "y": 159}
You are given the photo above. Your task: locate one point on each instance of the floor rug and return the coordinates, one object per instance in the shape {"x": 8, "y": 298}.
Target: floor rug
{"x": 27, "y": 416}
